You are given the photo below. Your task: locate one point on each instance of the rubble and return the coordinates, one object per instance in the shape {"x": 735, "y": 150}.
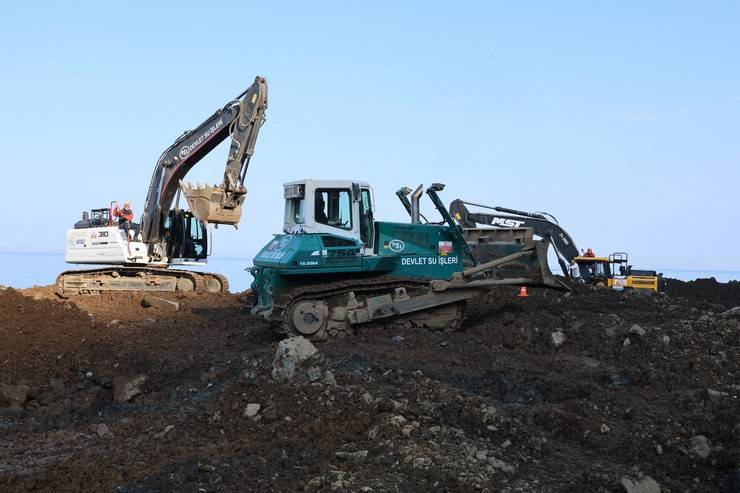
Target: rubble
{"x": 645, "y": 484}
{"x": 491, "y": 407}
{"x": 291, "y": 360}
{"x": 127, "y": 388}
{"x": 558, "y": 338}
{"x": 700, "y": 447}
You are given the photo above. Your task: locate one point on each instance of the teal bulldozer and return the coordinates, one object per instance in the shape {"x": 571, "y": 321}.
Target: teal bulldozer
{"x": 335, "y": 268}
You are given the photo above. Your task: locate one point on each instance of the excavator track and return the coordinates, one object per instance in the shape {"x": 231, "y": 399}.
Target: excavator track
{"x": 147, "y": 279}
{"x": 445, "y": 316}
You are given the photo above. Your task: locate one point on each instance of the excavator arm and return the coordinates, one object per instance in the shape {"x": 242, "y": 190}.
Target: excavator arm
{"x": 241, "y": 119}
{"x": 543, "y": 226}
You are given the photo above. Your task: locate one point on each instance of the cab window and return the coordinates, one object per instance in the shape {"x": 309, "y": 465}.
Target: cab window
{"x": 333, "y": 207}
{"x": 298, "y": 210}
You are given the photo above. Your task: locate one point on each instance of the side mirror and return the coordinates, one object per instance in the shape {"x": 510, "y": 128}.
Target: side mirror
{"x": 355, "y": 192}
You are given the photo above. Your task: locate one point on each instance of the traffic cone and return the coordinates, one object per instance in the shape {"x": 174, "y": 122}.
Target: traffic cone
{"x": 523, "y": 292}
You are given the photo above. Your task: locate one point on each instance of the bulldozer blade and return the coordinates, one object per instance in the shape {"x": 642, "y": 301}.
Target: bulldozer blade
{"x": 510, "y": 256}
{"x": 213, "y": 205}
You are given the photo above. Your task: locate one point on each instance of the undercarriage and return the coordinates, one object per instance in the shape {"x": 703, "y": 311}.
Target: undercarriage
{"x": 147, "y": 279}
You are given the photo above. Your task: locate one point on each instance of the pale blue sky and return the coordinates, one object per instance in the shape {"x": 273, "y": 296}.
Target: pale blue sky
{"x": 620, "y": 118}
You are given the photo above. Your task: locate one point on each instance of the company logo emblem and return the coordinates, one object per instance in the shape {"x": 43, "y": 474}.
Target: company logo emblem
{"x": 397, "y": 245}
{"x": 184, "y": 152}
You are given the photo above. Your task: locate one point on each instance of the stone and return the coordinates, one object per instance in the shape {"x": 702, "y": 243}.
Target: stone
{"x": 329, "y": 378}
{"x": 356, "y": 456}
{"x": 717, "y": 396}
{"x": 398, "y": 420}
{"x": 636, "y": 329}
{"x": 731, "y": 313}
{"x": 627, "y": 342}
{"x": 644, "y": 485}
{"x": 421, "y": 462}
{"x": 666, "y": 340}
{"x": 162, "y": 433}
{"x": 367, "y": 398}
{"x": 604, "y": 428}
{"x": 502, "y": 466}
{"x": 149, "y": 301}
{"x": 125, "y": 389}
{"x": 700, "y": 447}
{"x": 102, "y": 429}
{"x": 252, "y": 410}
{"x": 291, "y": 357}
{"x": 489, "y": 414}
{"x": 14, "y": 396}
{"x": 558, "y": 338}
{"x": 406, "y": 430}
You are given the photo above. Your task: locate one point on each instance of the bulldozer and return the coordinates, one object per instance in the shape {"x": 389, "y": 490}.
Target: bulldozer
{"x": 335, "y": 268}
{"x": 139, "y": 256}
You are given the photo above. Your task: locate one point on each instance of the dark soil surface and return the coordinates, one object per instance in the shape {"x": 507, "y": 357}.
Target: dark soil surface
{"x": 496, "y": 406}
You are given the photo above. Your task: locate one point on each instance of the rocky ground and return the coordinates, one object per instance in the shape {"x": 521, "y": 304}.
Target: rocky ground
{"x": 587, "y": 391}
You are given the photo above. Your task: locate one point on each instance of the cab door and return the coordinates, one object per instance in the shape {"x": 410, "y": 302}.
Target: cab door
{"x": 367, "y": 221}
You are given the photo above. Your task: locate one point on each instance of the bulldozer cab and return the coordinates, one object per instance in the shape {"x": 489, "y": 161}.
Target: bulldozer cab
{"x": 339, "y": 207}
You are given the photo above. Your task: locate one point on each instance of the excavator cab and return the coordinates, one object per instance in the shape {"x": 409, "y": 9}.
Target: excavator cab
{"x": 187, "y": 237}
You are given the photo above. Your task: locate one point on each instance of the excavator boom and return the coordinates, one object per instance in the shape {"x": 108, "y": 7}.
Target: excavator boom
{"x": 241, "y": 119}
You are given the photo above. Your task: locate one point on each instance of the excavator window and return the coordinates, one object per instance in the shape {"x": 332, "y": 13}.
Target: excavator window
{"x": 333, "y": 207}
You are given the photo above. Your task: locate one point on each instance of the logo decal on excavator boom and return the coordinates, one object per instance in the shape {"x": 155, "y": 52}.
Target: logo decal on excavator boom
{"x": 506, "y": 222}
{"x": 187, "y": 149}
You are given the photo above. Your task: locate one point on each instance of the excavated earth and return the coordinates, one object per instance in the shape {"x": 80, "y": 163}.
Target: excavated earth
{"x": 590, "y": 391}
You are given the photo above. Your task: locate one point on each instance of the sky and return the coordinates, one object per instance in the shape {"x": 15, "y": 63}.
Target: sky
{"x": 619, "y": 118}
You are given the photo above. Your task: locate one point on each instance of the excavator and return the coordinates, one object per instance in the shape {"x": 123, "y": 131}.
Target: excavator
{"x": 139, "y": 257}
{"x": 335, "y": 268}
{"x": 612, "y": 271}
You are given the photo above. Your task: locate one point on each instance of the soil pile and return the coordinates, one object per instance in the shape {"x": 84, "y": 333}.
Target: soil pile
{"x": 707, "y": 290}
{"x": 587, "y": 391}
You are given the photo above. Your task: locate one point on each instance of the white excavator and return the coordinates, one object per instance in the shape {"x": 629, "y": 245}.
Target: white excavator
{"x": 139, "y": 256}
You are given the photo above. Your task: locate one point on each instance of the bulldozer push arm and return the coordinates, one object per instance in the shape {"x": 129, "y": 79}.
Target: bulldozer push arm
{"x": 241, "y": 119}
{"x": 543, "y": 226}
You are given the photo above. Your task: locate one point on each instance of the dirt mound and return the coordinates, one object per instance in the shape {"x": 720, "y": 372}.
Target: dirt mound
{"x": 706, "y": 290}
{"x": 554, "y": 393}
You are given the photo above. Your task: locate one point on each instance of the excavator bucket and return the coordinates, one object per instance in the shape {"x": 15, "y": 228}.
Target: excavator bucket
{"x": 211, "y": 205}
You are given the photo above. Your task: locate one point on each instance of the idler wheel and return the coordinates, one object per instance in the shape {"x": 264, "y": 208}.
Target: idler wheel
{"x": 308, "y": 317}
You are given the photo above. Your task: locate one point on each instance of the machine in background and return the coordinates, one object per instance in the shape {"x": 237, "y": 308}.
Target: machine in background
{"x": 612, "y": 271}
{"x": 615, "y": 272}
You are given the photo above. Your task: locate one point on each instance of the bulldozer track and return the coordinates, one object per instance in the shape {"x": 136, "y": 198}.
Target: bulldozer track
{"x": 384, "y": 284}
{"x": 148, "y": 279}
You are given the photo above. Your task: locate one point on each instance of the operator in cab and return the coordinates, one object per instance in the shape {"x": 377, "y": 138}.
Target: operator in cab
{"x": 125, "y": 218}
{"x": 589, "y": 253}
